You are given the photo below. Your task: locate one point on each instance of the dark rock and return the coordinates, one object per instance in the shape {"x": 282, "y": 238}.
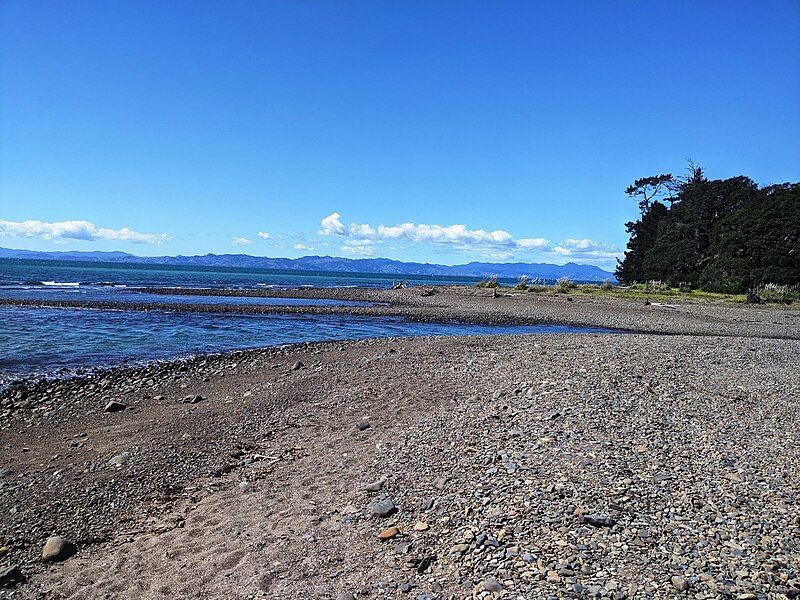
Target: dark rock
{"x": 11, "y": 576}
{"x": 384, "y": 508}
{"x": 599, "y": 520}
{"x": 363, "y": 425}
{"x": 297, "y": 365}
{"x": 193, "y": 399}
{"x": 115, "y": 406}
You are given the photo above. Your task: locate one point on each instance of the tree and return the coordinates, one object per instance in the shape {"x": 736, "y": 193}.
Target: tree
{"x": 649, "y": 188}
{"x": 722, "y": 234}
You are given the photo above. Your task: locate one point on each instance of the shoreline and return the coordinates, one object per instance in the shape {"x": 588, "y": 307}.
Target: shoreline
{"x": 242, "y": 474}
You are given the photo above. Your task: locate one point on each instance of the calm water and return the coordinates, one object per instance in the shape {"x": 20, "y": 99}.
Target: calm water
{"x": 45, "y": 340}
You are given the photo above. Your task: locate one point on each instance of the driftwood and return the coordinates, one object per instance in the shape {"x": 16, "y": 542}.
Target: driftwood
{"x": 398, "y": 285}
{"x": 429, "y": 292}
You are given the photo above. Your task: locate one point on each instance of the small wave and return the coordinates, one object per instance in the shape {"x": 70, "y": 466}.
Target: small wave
{"x": 60, "y": 283}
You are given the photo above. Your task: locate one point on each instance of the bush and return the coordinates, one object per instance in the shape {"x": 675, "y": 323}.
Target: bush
{"x": 522, "y": 284}
{"x": 564, "y": 284}
{"x": 773, "y": 293}
{"x": 657, "y": 287}
{"x": 488, "y": 283}
{"x": 606, "y": 285}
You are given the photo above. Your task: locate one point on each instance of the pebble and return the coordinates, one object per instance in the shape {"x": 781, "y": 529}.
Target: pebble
{"x": 389, "y": 533}
{"x": 680, "y": 583}
{"x": 193, "y": 399}
{"x": 599, "y": 520}
{"x": 376, "y": 486}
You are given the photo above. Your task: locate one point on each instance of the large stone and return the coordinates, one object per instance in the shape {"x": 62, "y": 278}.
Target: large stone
{"x": 58, "y": 549}
{"x": 11, "y": 576}
{"x": 384, "y": 508}
{"x": 115, "y": 406}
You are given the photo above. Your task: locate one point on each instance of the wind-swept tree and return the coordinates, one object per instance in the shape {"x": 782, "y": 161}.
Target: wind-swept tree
{"x": 648, "y": 189}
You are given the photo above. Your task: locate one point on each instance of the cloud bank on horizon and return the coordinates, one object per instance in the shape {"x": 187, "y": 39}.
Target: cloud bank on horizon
{"x": 77, "y": 230}
{"x": 360, "y": 239}
{"x": 355, "y": 239}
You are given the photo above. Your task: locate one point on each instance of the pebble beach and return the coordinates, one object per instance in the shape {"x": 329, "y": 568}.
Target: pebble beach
{"x": 660, "y": 461}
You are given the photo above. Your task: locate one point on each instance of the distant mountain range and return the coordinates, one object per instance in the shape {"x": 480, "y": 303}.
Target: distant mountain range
{"x": 334, "y": 264}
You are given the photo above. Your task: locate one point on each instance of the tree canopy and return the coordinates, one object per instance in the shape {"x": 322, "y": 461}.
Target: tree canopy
{"x": 722, "y": 234}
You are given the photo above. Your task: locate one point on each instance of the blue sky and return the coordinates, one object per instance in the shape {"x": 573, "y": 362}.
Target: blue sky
{"x": 436, "y": 131}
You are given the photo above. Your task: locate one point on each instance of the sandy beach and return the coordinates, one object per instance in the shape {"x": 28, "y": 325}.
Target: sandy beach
{"x": 661, "y": 463}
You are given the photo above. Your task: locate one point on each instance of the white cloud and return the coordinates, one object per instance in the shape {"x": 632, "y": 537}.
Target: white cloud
{"x": 360, "y": 247}
{"x": 331, "y": 225}
{"x": 302, "y": 247}
{"x": 531, "y": 243}
{"x": 77, "y": 230}
{"x": 240, "y": 241}
{"x": 457, "y": 235}
{"x": 263, "y": 235}
{"x": 497, "y": 244}
{"x": 586, "y": 249}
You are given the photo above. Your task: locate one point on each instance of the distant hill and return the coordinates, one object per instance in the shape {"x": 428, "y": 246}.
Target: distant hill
{"x": 383, "y": 266}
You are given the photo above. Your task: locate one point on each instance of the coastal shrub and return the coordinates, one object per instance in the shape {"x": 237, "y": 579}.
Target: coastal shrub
{"x": 491, "y": 282}
{"x": 522, "y": 284}
{"x": 606, "y": 285}
{"x": 657, "y": 287}
{"x": 564, "y": 284}
{"x": 773, "y": 293}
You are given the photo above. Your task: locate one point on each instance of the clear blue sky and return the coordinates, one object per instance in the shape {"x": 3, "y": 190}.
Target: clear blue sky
{"x": 180, "y": 127}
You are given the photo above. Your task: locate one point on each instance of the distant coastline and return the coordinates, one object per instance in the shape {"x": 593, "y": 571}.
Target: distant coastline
{"x": 329, "y": 264}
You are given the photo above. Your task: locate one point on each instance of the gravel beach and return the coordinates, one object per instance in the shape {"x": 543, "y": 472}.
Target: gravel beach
{"x": 657, "y": 464}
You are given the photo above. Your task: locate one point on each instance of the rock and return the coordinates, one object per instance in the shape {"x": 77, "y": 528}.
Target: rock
{"x": 420, "y": 526}
{"x": 599, "y": 520}
{"x": 5, "y": 472}
{"x": 491, "y": 585}
{"x": 440, "y": 482}
{"x": 363, "y": 425}
{"x": 11, "y": 576}
{"x": 375, "y": 486}
{"x": 426, "y": 504}
{"x": 58, "y": 549}
{"x": 553, "y": 577}
{"x": 389, "y": 533}
{"x": 297, "y": 365}
{"x": 680, "y": 583}
{"x": 115, "y": 406}
{"x": 119, "y": 459}
{"x": 193, "y": 399}
{"x": 345, "y": 596}
{"x": 402, "y": 547}
{"x": 384, "y": 508}
{"x": 405, "y": 587}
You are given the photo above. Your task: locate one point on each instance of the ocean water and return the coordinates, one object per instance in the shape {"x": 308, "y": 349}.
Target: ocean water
{"x": 111, "y": 276}
{"x": 46, "y": 340}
